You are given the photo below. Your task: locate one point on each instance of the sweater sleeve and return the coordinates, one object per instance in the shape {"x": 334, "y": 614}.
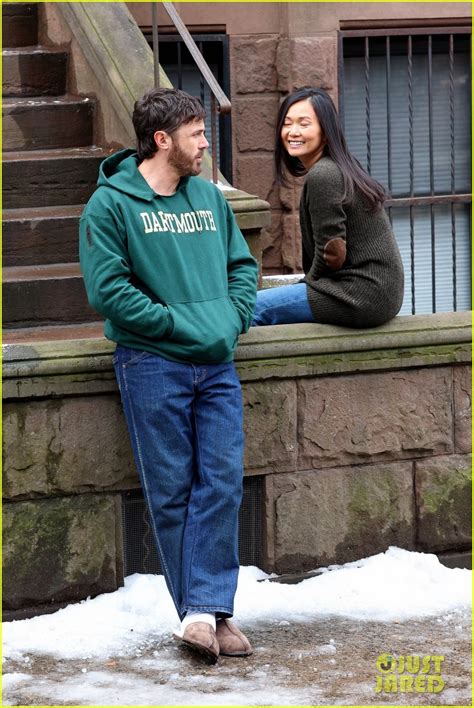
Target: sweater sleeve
{"x": 324, "y": 195}
{"x": 242, "y": 272}
{"x": 107, "y": 273}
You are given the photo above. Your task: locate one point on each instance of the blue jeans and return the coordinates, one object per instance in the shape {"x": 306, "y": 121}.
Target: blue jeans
{"x": 185, "y": 425}
{"x": 287, "y": 304}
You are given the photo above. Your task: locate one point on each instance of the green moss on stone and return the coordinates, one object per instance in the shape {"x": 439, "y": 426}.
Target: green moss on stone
{"x": 91, "y": 538}
{"x": 351, "y": 362}
{"x": 446, "y": 489}
{"x": 374, "y": 499}
{"x": 57, "y": 549}
{"x": 35, "y": 547}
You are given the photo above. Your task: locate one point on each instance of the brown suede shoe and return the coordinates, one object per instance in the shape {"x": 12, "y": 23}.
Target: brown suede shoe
{"x": 232, "y": 642}
{"x": 201, "y": 637}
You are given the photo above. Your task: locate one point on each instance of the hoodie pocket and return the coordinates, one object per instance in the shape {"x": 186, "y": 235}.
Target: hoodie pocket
{"x": 205, "y": 331}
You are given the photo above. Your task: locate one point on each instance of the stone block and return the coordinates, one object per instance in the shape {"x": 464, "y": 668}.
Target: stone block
{"x": 290, "y": 195}
{"x": 313, "y": 63}
{"x": 271, "y": 244}
{"x": 462, "y": 409}
{"x": 270, "y": 426}
{"x": 443, "y": 499}
{"x": 64, "y": 549}
{"x": 65, "y": 445}
{"x": 255, "y": 123}
{"x": 367, "y": 417}
{"x": 334, "y": 516}
{"x": 255, "y": 175}
{"x": 283, "y": 59}
{"x": 254, "y": 64}
{"x": 291, "y": 245}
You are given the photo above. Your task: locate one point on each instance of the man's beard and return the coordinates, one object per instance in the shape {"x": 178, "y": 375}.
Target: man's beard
{"x": 182, "y": 162}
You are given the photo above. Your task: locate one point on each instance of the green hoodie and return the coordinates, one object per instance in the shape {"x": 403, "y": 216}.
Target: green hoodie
{"x": 172, "y": 275}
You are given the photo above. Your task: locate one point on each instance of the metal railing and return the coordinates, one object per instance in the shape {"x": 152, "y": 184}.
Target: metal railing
{"x": 378, "y": 46}
{"x": 219, "y": 101}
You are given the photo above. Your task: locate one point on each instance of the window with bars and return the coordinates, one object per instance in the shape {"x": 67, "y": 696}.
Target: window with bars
{"x": 140, "y": 555}
{"x": 405, "y": 103}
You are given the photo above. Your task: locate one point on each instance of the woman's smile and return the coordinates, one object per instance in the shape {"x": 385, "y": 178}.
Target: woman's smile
{"x": 301, "y": 133}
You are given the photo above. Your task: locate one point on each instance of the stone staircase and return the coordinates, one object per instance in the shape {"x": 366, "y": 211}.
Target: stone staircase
{"x": 50, "y": 167}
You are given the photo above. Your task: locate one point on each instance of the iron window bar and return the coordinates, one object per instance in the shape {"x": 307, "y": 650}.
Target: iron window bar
{"x": 367, "y": 103}
{"x": 453, "y": 163}
{"x": 430, "y": 199}
{"x": 405, "y": 31}
{"x": 432, "y": 182}
{"x": 412, "y": 168}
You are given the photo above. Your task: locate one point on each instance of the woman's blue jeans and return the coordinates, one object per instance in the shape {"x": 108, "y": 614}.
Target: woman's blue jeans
{"x": 185, "y": 424}
{"x": 287, "y": 304}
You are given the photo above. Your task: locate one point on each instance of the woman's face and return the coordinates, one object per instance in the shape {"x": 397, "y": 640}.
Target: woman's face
{"x": 301, "y": 133}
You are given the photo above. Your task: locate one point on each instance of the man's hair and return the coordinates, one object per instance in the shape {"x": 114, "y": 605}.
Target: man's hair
{"x": 162, "y": 109}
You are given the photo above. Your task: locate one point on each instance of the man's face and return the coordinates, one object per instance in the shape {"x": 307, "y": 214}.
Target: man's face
{"x": 187, "y": 149}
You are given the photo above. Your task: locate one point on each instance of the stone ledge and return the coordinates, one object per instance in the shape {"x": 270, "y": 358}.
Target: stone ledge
{"x": 404, "y": 332}
{"x": 250, "y": 211}
{"x": 85, "y": 365}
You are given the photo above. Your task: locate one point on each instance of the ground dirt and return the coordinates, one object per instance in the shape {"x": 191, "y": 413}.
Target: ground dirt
{"x": 325, "y": 662}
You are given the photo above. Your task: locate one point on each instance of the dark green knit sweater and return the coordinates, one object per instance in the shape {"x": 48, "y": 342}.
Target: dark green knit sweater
{"x": 352, "y": 265}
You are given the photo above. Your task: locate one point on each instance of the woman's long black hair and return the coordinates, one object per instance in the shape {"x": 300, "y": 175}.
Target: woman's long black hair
{"x": 335, "y": 147}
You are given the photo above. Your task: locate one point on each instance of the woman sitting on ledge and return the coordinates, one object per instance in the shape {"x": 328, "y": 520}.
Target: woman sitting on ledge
{"x": 353, "y": 270}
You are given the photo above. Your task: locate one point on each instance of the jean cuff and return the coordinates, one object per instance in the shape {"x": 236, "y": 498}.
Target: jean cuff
{"x": 217, "y": 610}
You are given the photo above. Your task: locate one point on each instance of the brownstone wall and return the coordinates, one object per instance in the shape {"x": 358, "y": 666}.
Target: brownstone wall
{"x": 351, "y": 464}
{"x": 356, "y": 463}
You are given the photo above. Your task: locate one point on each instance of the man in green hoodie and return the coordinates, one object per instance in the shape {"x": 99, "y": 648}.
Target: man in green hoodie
{"x": 166, "y": 265}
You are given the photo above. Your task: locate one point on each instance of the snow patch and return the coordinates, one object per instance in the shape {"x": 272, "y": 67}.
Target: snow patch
{"x": 397, "y": 585}
{"x": 103, "y": 688}
{"x": 14, "y": 679}
{"x": 225, "y": 187}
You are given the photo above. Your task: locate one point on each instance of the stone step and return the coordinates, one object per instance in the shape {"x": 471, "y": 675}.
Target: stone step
{"x": 38, "y": 236}
{"x": 45, "y": 295}
{"x": 19, "y": 24}
{"x": 34, "y": 71}
{"x": 40, "y": 178}
{"x": 47, "y": 122}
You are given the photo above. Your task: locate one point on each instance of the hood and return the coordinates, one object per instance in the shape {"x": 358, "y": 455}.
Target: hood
{"x": 119, "y": 171}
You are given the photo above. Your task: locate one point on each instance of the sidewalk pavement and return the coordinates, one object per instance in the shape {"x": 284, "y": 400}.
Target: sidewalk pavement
{"x": 326, "y": 662}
